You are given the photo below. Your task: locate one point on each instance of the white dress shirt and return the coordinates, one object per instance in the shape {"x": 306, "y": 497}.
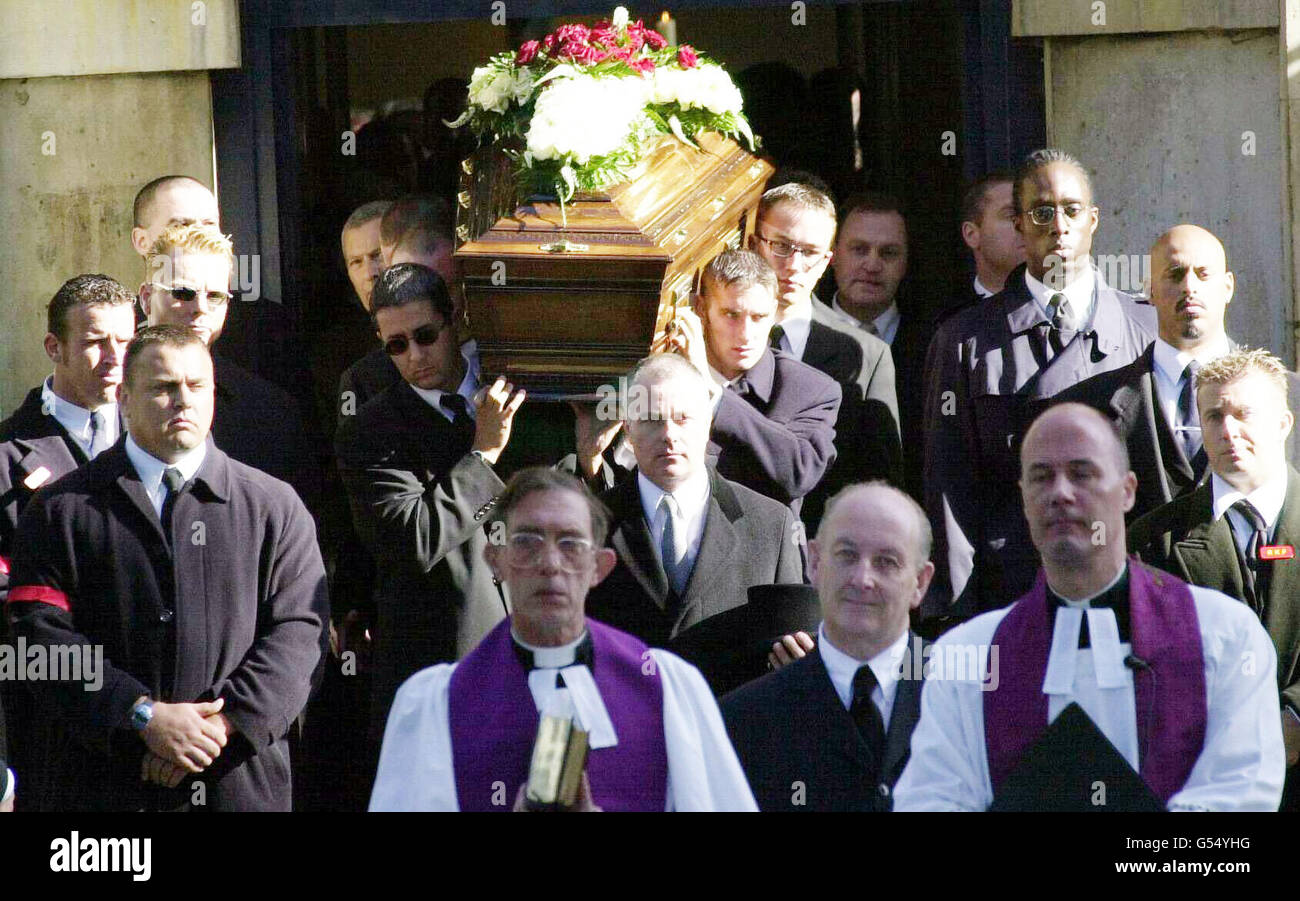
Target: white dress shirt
{"x": 1078, "y": 292}
{"x": 469, "y": 385}
{"x": 884, "y": 326}
{"x": 1242, "y": 761}
{"x": 885, "y": 666}
{"x": 1170, "y": 364}
{"x": 981, "y": 290}
{"x": 796, "y": 328}
{"x": 76, "y": 420}
{"x": 1267, "y": 499}
{"x": 151, "y": 469}
{"x": 693, "y": 502}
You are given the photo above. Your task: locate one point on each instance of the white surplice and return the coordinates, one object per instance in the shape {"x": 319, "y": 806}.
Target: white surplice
{"x": 415, "y": 764}
{"x": 1242, "y": 763}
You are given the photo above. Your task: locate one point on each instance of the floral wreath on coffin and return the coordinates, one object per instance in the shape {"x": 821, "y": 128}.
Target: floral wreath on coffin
{"x": 576, "y": 109}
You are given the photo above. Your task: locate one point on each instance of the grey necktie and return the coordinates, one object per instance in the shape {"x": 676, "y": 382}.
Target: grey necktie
{"x": 1064, "y": 324}
{"x": 1189, "y": 418}
{"x": 98, "y": 434}
{"x": 673, "y": 545}
{"x": 175, "y": 483}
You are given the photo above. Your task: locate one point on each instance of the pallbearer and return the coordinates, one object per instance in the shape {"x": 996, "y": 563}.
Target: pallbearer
{"x": 460, "y": 736}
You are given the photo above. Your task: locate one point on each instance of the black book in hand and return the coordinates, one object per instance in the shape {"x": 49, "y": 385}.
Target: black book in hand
{"x": 1074, "y": 768}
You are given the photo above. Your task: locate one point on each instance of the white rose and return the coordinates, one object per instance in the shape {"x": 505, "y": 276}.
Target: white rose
{"x": 619, "y": 19}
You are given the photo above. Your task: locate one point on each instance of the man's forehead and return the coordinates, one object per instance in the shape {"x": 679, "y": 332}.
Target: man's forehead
{"x": 361, "y": 238}
{"x": 1060, "y": 180}
{"x": 1249, "y": 388}
{"x": 551, "y": 510}
{"x": 870, "y": 519}
{"x": 190, "y": 361}
{"x": 749, "y": 298}
{"x": 1187, "y": 248}
{"x": 875, "y": 226}
{"x": 672, "y": 395}
{"x": 199, "y": 270}
{"x": 798, "y": 222}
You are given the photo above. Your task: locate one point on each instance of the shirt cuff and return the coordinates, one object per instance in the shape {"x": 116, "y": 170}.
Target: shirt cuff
{"x": 9, "y": 782}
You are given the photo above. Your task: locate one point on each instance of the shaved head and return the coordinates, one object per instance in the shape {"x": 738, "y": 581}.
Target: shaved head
{"x": 1190, "y": 288}
{"x": 1057, "y": 415}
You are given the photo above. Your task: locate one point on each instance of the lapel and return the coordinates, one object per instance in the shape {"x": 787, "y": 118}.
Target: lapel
{"x": 906, "y": 712}
{"x": 128, "y": 480}
{"x": 420, "y": 420}
{"x": 1207, "y": 553}
{"x": 823, "y": 352}
{"x": 43, "y": 442}
{"x": 1282, "y": 607}
{"x": 719, "y": 545}
{"x": 762, "y": 378}
{"x": 634, "y": 544}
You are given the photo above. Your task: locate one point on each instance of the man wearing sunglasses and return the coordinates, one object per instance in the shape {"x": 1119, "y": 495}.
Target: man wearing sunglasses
{"x": 418, "y": 462}
{"x": 460, "y": 735}
{"x": 187, "y": 283}
{"x": 1054, "y": 324}
{"x": 795, "y": 234}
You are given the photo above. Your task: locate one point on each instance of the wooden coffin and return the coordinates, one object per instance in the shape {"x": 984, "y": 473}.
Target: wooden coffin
{"x": 562, "y": 304}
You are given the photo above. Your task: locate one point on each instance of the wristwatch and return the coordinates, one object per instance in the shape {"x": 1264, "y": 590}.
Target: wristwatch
{"x": 141, "y": 714}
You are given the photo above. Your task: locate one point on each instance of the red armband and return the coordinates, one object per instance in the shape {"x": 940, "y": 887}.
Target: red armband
{"x": 42, "y": 594}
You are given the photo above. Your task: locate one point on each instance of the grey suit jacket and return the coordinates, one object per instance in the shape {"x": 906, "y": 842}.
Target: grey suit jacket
{"x": 748, "y": 540}
{"x": 993, "y": 371}
{"x": 790, "y": 729}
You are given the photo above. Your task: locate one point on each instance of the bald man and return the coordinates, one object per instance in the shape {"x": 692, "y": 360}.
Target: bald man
{"x": 1158, "y": 667}
{"x": 1151, "y": 400}
{"x": 859, "y": 691}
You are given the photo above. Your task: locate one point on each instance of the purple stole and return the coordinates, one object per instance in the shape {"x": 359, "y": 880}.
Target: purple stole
{"x": 493, "y": 722}
{"x": 1171, "y": 708}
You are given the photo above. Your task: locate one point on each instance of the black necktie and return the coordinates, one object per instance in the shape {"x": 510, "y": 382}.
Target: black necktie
{"x": 1255, "y": 572}
{"x": 459, "y": 410}
{"x": 581, "y": 654}
{"x": 864, "y": 710}
{"x": 774, "y": 337}
{"x": 1189, "y": 418}
{"x": 175, "y": 483}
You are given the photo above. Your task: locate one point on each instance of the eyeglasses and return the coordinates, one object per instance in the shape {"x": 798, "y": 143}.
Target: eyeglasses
{"x": 1045, "y": 213}
{"x": 189, "y": 295}
{"x": 423, "y": 336}
{"x": 784, "y": 249}
{"x": 524, "y": 551}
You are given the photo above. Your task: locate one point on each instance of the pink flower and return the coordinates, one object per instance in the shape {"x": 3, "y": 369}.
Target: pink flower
{"x": 580, "y": 53}
{"x": 548, "y": 43}
{"x": 686, "y": 56}
{"x": 645, "y": 65}
{"x": 527, "y": 53}
{"x": 606, "y": 36}
{"x": 655, "y": 39}
{"x": 575, "y": 32}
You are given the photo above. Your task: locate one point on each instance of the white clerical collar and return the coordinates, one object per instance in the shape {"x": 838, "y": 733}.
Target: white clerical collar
{"x": 151, "y": 469}
{"x": 692, "y": 496}
{"x": 469, "y": 385}
{"x": 76, "y": 420}
{"x": 552, "y": 657}
{"x": 1171, "y": 362}
{"x": 1078, "y": 292}
{"x": 797, "y": 326}
{"x": 1267, "y": 498}
{"x": 1104, "y": 644}
{"x": 981, "y": 290}
{"x": 842, "y": 667}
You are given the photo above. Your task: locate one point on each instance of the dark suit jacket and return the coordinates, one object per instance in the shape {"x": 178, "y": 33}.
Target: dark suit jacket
{"x": 419, "y": 499}
{"x": 780, "y": 438}
{"x": 1183, "y": 538}
{"x": 988, "y": 381}
{"x": 29, "y": 440}
{"x": 866, "y": 427}
{"x": 748, "y": 540}
{"x": 365, "y": 378}
{"x": 789, "y": 727}
{"x": 243, "y": 598}
{"x": 911, "y": 341}
{"x": 258, "y": 423}
{"x": 1128, "y": 395}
